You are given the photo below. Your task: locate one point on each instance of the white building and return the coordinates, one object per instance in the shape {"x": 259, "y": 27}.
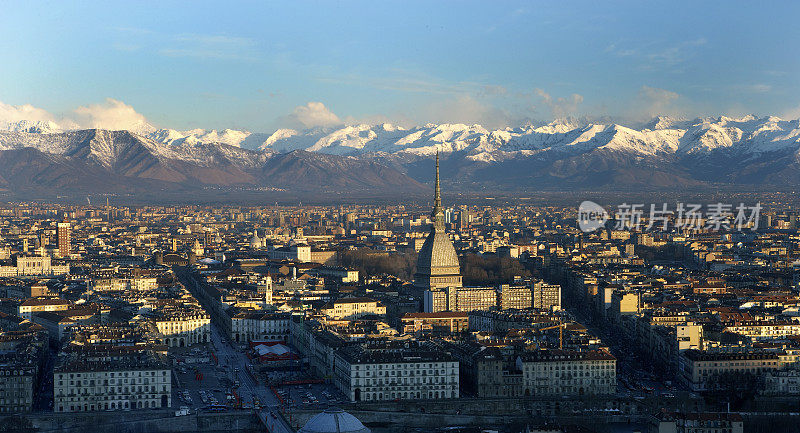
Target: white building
{"x": 123, "y": 380}
{"x": 124, "y": 284}
{"x": 297, "y": 253}
{"x": 561, "y": 372}
{"x": 459, "y": 299}
{"x": 336, "y": 272}
{"x": 184, "y": 329}
{"x": 33, "y": 265}
{"x": 259, "y": 326}
{"x": 35, "y": 305}
{"x": 390, "y": 374}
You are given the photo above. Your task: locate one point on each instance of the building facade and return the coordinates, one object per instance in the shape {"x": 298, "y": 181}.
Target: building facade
{"x": 353, "y": 308}
{"x": 64, "y": 234}
{"x": 125, "y": 381}
{"x": 184, "y": 329}
{"x": 459, "y": 299}
{"x": 561, "y": 372}
{"x": 258, "y": 326}
{"x": 405, "y": 374}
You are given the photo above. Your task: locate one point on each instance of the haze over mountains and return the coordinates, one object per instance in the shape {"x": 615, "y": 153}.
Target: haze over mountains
{"x": 39, "y": 157}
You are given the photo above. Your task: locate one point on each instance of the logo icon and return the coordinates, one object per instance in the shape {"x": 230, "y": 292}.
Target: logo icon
{"x": 591, "y": 216}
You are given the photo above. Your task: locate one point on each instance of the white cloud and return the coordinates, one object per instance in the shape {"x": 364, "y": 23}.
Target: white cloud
{"x": 561, "y": 107}
{"x": 15, "y": 113}
{"x": 792, "y": 113}
{"x": 311, "y": 115}
{"x": 111, "y": 114}
{"x": 210, "y": 47}
{"x": 657, "y": 101}
{"x": 463, "y": 109}
{"x": 759, "y": 88}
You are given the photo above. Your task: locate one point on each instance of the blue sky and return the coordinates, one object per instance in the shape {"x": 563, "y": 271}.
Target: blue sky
{"x": 260, "y": 66}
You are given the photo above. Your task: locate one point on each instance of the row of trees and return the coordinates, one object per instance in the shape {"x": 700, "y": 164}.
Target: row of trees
{"x": 490, "y": 269}
{"x": 373, "y": 262}
{"x": 476, "y": 269}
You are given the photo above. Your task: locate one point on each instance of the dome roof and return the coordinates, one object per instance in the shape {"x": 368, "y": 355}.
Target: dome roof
{"x": 437, "y": 255}
{"x": 334, "y": 421}
{"x": 255, "y": 241}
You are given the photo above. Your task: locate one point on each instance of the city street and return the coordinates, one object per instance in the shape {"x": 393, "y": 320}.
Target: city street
{"x": 234, "y": 363}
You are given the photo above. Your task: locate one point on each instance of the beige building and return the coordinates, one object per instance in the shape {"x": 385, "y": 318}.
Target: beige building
{"x": 33, "y": 265}
{"x": 124, "y": 284}
{"x": 259, "y": 326}
{"x": 624, "y": 304}
{"x": 343, "y": 274}
{"x": 561, "y": 372}
{"x": 786, "y": 382}
{"x": 441, "y": 323}
{"x": 297, "y": 252}
{"x": 702, "y": 370}
{"x": 407, "y": 374}
{"x": 546, "y": 296}
{"x": 181, "y": 329}
{"x": 459, "y": 299}
{"x": 127, "y": 380}
{"x": 514, "y": 296}
{"x": 36, "y": 305}
{"x": 353, "y": 308}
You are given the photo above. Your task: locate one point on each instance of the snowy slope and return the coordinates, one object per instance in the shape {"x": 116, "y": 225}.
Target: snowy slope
{"x": 662, "y": 136}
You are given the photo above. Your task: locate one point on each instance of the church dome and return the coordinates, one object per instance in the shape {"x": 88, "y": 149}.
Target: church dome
{"x": 255, "y": 241}
{"x": 437, "y": 255}
{"x": 334, "y": 421}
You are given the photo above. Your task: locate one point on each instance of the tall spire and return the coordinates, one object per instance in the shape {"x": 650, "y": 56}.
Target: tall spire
{"x": 437, "y": 200}
{"x": 437, "y": 214}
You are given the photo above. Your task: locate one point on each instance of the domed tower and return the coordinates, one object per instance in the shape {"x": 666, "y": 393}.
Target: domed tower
{"x": 255, "y": 241}
{"x": 437, "y": 263}
{"x": 334, "y": 420}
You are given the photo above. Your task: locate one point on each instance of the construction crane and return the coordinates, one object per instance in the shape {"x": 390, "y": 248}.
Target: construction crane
{"x": 560, "y": 327}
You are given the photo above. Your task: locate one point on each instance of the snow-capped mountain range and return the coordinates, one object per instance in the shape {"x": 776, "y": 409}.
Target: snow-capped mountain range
{"x": 661, "y": 135}
{"x": 663, "y": 152}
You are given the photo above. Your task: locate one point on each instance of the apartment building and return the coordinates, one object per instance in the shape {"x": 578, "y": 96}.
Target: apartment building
{"x": 546, "y": 296}
{"x": 459, "y": 299}
{"x": 116, "y": 378}
{"x": 28, "y": 307}
{"x": 22, "y": 353}
{"x": 702, "y": 370}
{"x": 392, "y": 374}
{"x": 441, "y": 323}
{"x": 125, "y": 284}
{"x": 561, "y": 372}
{"x": 259, "y": 326}
{"x": 353, "y": 308}
{"x": 184, "y": 328}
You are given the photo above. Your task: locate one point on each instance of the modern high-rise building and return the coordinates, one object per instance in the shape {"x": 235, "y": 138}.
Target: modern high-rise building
{"x": 546, "y": 296}
{"x": 437, "y": 264}
{"x": 63, "y": 231}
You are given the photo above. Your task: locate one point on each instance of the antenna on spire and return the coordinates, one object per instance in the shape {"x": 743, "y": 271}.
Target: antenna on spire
{"x": 437, "y": 198}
